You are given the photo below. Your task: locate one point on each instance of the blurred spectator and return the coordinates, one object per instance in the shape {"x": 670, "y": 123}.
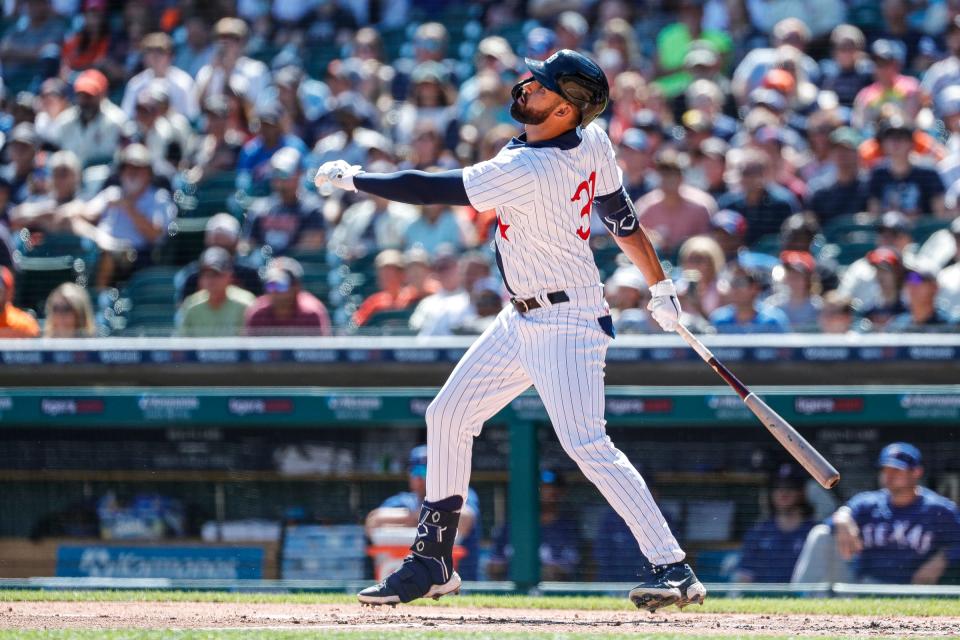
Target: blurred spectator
{"x": 836, "y": 314}
{"x": 253, "y": 165}
{"x": 745, "y": 314}
{"x": 151, "y": 128}
{"x": 68, "y": 313}
{"x": 371, "y": 225}
{"x": 627, "y": 294}
{"x": 290, "y": 218}
{"x": 844, "y": 190}
{"x": 729, "y": 229}
{"x": 34, "y": 37}
{"x": 394, "y": 293}
{"x": 217, "y": 147}
{"x": 899, "y": 30}
{"x": 899, "y": 182}
{"x": 431, "y": 100}
{"x": 788, "y": 32}
{"x": 949, "y": 168}
{"x": 859, "y": 281}
{"x": 886, "y": 301}
{"x": 196, "y": 50}
{"x": 704, "y": 257}
{"x": 285, "y": 309}
{"x": 402, "y": 510}
{"x": 50, "y": 211}
{"x": 230, "y": 66}
{"x": 709, "y": 168}
{"x": 14, "y": 322}
{"x": 222, "y": 230}
{"x": 486, "y": 302}
{"x": 419, "y": 274}
{"x": 771, "y": 548}
{"x": 22, "y": 174}
{"x": 798, "y": 298}
{"x": 439, "y": 228}
{"x": 218, "y": 308}
{"x": 634, "y": 160}
{"x": 946, "y": 73}
{"x": 559, "y": 536}
{"x": 902, "y": 534}
{"x": 91, "y": 128}
{"x": 674, "y": 211}
{"x": 430, "y": 42}
{"x": 763, "y": 203}
{"x": 53, "y": 101}
{"x": 89, "y": 46}
{"x": 920, "y": 286}
{"x": 677, "y": 40}
{"x": 821, "y": 125}
{"x": 157, "y": 49}
{"x": 890, "y": 87}
{"x": 819, "y": 16}
{"x": 849, "y": 69}
{"x": 439, "y": 313}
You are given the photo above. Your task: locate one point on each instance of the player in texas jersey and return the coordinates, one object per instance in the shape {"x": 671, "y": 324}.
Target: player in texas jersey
{"x": 554, "y": 334}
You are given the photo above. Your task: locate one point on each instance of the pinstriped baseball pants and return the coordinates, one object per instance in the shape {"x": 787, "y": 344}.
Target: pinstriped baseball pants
{"x": 560, "y": 350}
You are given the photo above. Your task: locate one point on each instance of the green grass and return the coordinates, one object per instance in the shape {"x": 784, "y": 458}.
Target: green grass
{"x": 773, "y": 606}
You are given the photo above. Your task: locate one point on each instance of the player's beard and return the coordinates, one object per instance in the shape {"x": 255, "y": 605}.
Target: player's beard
{"x": 525, "y": 115}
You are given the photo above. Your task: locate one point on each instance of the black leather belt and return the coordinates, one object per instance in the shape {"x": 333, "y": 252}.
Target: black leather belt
{"x": 522, "y": 306}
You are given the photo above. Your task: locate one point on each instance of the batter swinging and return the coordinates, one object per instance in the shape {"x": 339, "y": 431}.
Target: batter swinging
{"x": 554, "y": 334}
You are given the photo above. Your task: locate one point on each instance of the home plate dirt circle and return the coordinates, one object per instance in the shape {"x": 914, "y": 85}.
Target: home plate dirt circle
{"x": 215, "y": 615}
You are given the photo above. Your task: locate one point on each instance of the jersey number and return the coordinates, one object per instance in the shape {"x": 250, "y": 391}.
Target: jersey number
{"x": 590, "y": 187}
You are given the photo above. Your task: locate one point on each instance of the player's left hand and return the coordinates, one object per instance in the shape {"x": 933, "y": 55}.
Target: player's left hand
{"x": 338, "y": 173}
{"x": 664, "y": 305}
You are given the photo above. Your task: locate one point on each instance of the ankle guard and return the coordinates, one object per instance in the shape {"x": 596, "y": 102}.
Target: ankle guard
{"x": 436, "y": 533}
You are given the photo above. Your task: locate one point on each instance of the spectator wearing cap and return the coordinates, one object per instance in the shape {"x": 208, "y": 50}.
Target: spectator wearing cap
{"x": 707, "y": 97}
{"x": 890, "y": 87}
{"x": 157, "y": 49}
{"x": 634, "y": 158}
{"x": 701, "y": 261}
{"x": 304, "y": 98}
{"x": 883, "y": 300}
{"x": 921, "y": 289}
{"x": 820, "y": 126}
{"x": 419, "y": 274}
{"x": 14, "y": 322}
{"x": 559, "y": 535}
{"x": 772, "y": 141}
{"x": 285, "y": 309}
{"x": 402, "y": 510}
{"x": 370, "y": 225}
{"x": 494, "y": 59}
{"x": 394, "y": 293}
{"x": 762, "y": 202}
{"x": 675, "y": 41}
{"x": 772, "y": 546}
{"x": 151, "y": 128}
{"x": 196, "y": 50}
{"x": 745, "y": 314}
{"x": 849, "y": 69}
{"x": 859, "y": 281}
{"x": 486, "y": 302}
{"x": 897, "y": 28}
{"x": 708, "y": 169}
{"x": 217, "y": 147}
{"x": 797, "y": 297}
{"x": 52, "y": 102}
{"x": 36, "y": 34}
{"x": 21, "y": 173}
{"x": 649, "y": 121}
{"x": 222, "y": 230}
{"x": 949, "y": 278}
{"x": 629, "y": 94}
{"x": 91, "y": 128}
{"x": 439, "y": 313}
{"x": 949, "y": 167}
{"x": 749, "y": 73}
{"x": 837, "y": 314}
{"x": 899, "y": 182}
{"x": 439, "y": 228}
{"x": 430, "y": 43}
{"x": 89, "y": 46}
{"x": 903, "y": 533}
{"x": 290, "y": 218}
{"x": 674, "y": 211}
{"x": 254, "y": 167}
{"x": 842, "y": 191}
{"x": 946, "y": 73}
{"x": 627, "y": 294}
{"x": 572, "y": 30}
{"x": 218, "y": 307}
{"x": 432, "y": 99}
{"x": 729, "y": 229}
{"x": 230, "y": 66}
{"x": 49, "y": 211}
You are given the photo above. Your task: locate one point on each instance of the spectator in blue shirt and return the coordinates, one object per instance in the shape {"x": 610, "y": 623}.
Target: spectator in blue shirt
{"x": 745, "y": 314}
{"x": 770, "y": 548}
{"x": 402, "y": 510}
{"x": 902, "y": 534}
{"x": 253, "y": 165}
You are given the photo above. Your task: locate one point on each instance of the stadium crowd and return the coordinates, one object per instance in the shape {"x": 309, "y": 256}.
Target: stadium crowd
{"x": 797, "y": 163}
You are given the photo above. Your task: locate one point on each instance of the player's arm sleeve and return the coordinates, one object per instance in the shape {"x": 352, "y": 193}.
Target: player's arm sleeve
{"x": 416, "y": 187}
{"x": 617, "y": 212}
{"x": 504, "y": 179}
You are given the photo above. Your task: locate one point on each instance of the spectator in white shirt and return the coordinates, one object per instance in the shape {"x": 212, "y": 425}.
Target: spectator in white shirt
{"x": 91, "y": 128}
{"x": 229, "y": 63}
{"x": 450, "y": 307}
{"x": 157, "y": 57}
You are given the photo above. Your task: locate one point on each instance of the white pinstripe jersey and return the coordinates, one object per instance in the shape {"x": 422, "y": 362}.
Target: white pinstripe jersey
{"x": 543, "y": 193}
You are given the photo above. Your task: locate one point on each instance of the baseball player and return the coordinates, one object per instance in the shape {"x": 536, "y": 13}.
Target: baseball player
{"x": 554, "y": 334}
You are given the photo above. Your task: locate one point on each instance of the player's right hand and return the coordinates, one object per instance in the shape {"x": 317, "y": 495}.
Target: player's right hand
{"x": 848, "y": 539}
{"x": 664, "y": 306}
{"x": 338, "y": 173}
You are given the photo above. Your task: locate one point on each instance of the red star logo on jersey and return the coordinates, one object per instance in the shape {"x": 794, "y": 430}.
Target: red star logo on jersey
{"x": 503, "y": 229}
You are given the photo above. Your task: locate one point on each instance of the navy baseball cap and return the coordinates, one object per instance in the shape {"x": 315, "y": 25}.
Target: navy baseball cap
{"x": 551, "y": 476}
{"x": 417, "y": 462}
{"x": 900, "y": 455}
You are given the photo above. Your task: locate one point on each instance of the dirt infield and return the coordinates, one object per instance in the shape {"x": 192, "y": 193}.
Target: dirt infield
{"x": 210, "y": 615}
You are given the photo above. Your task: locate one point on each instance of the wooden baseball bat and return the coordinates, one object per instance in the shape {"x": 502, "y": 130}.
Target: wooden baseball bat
{"x": 804, "y": 453}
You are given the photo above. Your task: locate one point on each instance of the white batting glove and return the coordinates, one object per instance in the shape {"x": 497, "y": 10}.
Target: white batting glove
{"x": 338, "y": 173}
{"x": 664, "y": 305}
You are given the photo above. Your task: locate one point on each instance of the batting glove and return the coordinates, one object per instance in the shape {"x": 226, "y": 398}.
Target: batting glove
{"x": 664, "y": 305}
{"x": 338, "y": 173}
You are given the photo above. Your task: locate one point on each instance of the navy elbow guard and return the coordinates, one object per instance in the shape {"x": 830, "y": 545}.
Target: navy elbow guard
{"x": 617, "y": 213}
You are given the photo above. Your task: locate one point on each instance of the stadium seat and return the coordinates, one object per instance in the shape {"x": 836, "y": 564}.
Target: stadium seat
{"x": 47, "y": 261}
{"x": 840, "y": 227}
{"x": 184, "y": 241}
{"x": 926, "y": 227}
{"x": 389, "y": 323}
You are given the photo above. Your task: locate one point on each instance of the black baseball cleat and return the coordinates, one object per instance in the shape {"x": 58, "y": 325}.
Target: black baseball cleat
{"x": 671, "y": 584}
{"x": 428, "y": 571}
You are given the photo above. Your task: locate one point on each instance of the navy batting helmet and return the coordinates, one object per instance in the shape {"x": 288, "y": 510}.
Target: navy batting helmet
{"x": 575, "y": 77}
